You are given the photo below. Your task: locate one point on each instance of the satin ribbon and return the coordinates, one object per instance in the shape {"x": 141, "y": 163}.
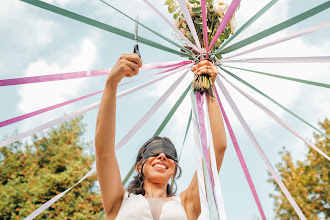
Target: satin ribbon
{"x": 117, "y": 147}
{"x": 275, "y": 102}
{"x": 199, "y": 163}
{"x": 171, "y": 25}
{"x": 260, "y": 151}
{"x": 277, "y": 28}
{"x": 217, "y": 187}
{"x": 186, "y": 14}
{"x": 78, "y": 112}
{"x": 82, "y": 74}
{"x": 317, "y": 59}
{"x": 240, "y": 157}
{"x": 278, "y": 119}
{"x": 231, "y": 10}
{"x": 100, "y": 25}
{"x": 46, "y": 205}
{"x": 204, "y": 19}
{"x": 248, "y": 23}
{"x": 151, "y": 111}
{"x": 282, "y": 39}
{"x": 158, "y": 34}
{"x": 43, "y": 110}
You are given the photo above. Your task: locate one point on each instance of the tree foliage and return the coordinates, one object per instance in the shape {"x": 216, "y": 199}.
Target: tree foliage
{"x": 33, "y": 174}
{"x": 308, "y": 182}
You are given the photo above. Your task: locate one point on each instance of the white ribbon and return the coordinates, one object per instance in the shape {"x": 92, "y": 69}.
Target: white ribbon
{"x": 318, "y": 59}
{"x": 283, "y": 39}
{"x": 217, "y": 187}
{"x": 260, "y": 151}
{"x": 171, "y": 25}
{"x": 151, "y": 111}
{"x": 276, "y": 118}
{"x": 199, "y": 162}
{"x": 190, "y": 23}
{"x": 44, "y": 206}
{"x": 79, "y": 112}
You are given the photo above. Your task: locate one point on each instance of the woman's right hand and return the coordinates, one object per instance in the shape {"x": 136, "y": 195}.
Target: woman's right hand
{"x": 127, "y": 66}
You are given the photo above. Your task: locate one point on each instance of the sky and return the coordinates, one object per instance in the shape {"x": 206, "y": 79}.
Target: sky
{"x": 36, "y": 42}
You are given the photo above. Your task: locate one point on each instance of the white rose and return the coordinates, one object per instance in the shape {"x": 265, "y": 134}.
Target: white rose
{"x": 219, "y": 6}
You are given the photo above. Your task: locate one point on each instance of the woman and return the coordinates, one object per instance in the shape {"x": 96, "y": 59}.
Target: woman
{"x": 156, "y": 162}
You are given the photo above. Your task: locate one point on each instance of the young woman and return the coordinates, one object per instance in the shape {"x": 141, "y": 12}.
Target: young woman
{"x": 149, "y": 195}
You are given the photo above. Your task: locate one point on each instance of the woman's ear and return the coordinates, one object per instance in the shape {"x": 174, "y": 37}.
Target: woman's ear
{"x": 138, "y": 168}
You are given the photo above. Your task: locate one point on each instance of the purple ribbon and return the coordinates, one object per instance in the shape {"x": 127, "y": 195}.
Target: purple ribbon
{"x": 206, "y": 41}
{"x": 232, "y": 8}
{"x": 81, "y": 74}
{"x": 240, "y": 157}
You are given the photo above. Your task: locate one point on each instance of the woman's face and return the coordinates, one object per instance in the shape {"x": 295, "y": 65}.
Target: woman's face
{"x": 159, "y": 169}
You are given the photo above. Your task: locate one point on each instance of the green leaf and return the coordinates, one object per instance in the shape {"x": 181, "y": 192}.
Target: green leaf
{"x": 197, "y": 9}
{"x": 222, "y": 36}
{"x": 175, "y": 16}
{"x": 192, "y": 1}
{"x": 198, "y": 21}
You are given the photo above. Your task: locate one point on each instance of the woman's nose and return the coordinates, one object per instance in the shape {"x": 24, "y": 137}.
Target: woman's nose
{"x": 161, "y": 156}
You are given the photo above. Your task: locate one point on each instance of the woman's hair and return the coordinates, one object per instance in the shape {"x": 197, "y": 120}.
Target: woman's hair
{"x": 136, "y": 186}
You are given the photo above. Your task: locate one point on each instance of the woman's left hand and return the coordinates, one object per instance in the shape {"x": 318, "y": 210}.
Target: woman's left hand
{"x": 206, "y": 67}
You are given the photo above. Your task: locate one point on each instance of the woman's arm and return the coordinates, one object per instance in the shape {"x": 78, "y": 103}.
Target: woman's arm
{"x": 190, "y": 197}
{"x": 108, "y": 172}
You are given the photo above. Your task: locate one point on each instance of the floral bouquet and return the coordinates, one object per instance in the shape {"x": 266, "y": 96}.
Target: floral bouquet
{"x": 216, "y": 10}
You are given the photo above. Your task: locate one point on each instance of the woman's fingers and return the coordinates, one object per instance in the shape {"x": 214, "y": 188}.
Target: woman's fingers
{"x": 130, "y": 69}
{"x": 133, "y": 57}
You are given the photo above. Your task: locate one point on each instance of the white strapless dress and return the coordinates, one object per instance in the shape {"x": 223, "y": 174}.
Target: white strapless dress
{"x": 136, "y": 207}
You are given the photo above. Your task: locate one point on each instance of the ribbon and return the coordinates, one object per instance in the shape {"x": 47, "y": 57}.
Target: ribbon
{"x": 316, "y": 59}
{"x": 185, "y": 136}
{"x": 283, "y": 39}
{"x": 76, "y": 113}
{"x": 248, "y": 23}
{"x": 240, "y": 157}
{"x": 199, "y": 163}
{"x": 277, "y": 28}
{"x": 171, "y": 25}
{"x": 284, "y": 77}
{"x": 204, "y": 18}
{"x": 82, "y": 74}
{"x": 260, "y": 151}
{"x": 231, "y": 10}
{"x": 158, "y": 34}
{"x": 275, "y": 102}
{"x": 217, "y": 188}
{"x": 44, "y": 206}
{"x": 151, "y": 111}
{"x": 43, "y": 110}
{"x": 186, "y": 14}
{"x": 279, "y": 120}
{"x": 100, "y": 25}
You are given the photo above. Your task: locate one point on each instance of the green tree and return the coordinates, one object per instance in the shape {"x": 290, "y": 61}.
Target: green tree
{"x": 308, "y": 182}
{"x": 32, "y": 174}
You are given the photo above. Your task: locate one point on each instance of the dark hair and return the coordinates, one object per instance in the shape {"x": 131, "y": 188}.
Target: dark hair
{"x": 136, "y": 186}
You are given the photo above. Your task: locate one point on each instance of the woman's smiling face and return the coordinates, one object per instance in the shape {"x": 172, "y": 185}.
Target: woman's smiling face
{"x": 159, "y": 169}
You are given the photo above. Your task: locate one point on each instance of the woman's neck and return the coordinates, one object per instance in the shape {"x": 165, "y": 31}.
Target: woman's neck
{"x": 155, "y": 190}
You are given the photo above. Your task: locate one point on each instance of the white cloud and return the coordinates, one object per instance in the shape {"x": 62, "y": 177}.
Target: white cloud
{"x": 40, "y": 95}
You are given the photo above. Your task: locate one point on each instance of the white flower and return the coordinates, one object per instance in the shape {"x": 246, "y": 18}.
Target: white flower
{"x": 219, "y": 6}
{"x": 232, "y": 23}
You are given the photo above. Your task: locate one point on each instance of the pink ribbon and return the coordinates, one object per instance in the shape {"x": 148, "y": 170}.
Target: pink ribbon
{"x": 232, "y": 8}
{"x": 43, "y": 110}
{"x": 81, "y": 74}
{"x": 200, "y": 100}
{"x": 206, "y": 41}
{"x": 240, "y": 157}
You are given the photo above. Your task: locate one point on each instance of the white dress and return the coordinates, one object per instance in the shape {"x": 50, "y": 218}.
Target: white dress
{"x": 137, "y": 207}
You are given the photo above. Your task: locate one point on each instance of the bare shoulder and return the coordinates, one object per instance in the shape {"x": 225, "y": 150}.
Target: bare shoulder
{"x": 115, "y": 210}
{"x": 189, "y": 204}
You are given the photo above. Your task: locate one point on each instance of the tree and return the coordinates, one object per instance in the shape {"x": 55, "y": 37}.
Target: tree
{"x": 308, "y": 182}
{"x": 32, "y": 174}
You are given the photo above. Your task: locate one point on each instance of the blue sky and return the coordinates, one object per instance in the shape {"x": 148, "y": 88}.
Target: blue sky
{"x": 37, "y": 42}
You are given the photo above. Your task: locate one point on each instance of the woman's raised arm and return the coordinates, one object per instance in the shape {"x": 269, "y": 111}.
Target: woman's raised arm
{"x": 108, "y": 172}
